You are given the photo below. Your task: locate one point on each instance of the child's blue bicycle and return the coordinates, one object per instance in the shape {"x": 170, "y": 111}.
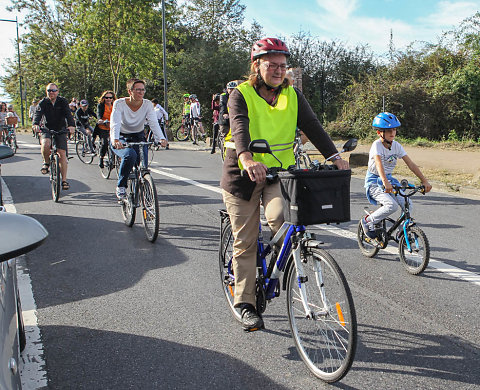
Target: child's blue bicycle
{"x": 320, "y": 307}
{"x": 413, "y": 246}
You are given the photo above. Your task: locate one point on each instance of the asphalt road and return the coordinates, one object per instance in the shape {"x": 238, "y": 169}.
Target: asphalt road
{"x": 117, "y": 312}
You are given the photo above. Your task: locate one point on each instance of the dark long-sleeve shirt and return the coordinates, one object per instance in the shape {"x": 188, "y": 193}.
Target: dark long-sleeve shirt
{"x": 56, "y": 116}
{"x": 307, "y": 121}
{"x": 82, "y": 117}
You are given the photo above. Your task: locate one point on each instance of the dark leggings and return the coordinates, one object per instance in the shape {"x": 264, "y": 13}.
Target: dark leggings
{"x": 104, "y": 136}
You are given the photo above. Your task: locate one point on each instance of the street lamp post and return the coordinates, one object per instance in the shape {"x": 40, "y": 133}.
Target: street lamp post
{"x": 19, "y": 66}
{"x": 165, "y": 87}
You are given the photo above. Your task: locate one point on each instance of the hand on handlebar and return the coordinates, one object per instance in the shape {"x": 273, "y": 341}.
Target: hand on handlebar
{"x": 257, "y": 171}
{"x": 388, "y": 187}
{"x": 341, "y": 164}
{"x": 163, "y": 142}
{"x": 427, "y": 186}
{"x": 117, "y": 144}
{"x": 36, "y": 128}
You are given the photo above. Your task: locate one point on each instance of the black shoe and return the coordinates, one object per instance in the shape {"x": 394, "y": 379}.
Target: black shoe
{"x": 100, "y": 163}
{"x": 212, "y": 152}
{"x": 167, "y": 147}
{"x": 194, "y": 143}
{"x": 251, "y": 321}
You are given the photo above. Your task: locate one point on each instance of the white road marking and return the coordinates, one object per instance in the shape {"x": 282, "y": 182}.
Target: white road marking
{"x": 459, "y": 273}
{"x": 22, "y": 144}
{"x": 32, "y": 365}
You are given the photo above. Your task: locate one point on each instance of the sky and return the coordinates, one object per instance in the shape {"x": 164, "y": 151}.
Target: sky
{"x": 349, "y": 21}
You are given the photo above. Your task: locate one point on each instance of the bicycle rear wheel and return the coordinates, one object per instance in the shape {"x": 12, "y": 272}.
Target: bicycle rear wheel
{"x": 365, "y": 243}
{"x": 182, "y": 133}
{"x": 150, "y": 212}
{"x": 416, "y": 260}
{"x": 326, "y": 338}
{"x": 225, "y": 256}
{"x": 55, "y": 177}
{"x": 83, "y": 151}
{"x": 128, "y": 204}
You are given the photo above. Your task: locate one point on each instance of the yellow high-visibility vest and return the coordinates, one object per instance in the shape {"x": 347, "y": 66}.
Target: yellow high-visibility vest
{"x": 276, "y": 124}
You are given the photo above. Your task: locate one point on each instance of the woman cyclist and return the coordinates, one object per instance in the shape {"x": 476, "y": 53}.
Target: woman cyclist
{"x": 127, "y": 123}
{"x": 104, "y": 110}
{"x": 264, "y": 107}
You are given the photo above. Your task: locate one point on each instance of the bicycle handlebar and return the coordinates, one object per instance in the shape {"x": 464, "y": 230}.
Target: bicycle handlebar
{"x": 272, "y": 173}
{"x": 46, "y": 129}
{"x": 141, "y": 143}
{"x": 406, "y": 186}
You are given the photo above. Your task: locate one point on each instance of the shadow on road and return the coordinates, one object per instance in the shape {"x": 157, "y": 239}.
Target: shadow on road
{"x": 113, "y": 360}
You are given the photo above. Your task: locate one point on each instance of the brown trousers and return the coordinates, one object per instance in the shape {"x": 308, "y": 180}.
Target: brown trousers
{"x": 245, "y": 219}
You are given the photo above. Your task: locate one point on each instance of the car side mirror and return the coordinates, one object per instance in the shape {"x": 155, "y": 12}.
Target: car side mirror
{"x": 19, "y": 234}
{"x": 350, "y": 145}
{"x": 259, "y": 146}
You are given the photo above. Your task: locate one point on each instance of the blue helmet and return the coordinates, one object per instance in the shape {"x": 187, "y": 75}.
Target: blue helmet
{"x": 385, "y": 120}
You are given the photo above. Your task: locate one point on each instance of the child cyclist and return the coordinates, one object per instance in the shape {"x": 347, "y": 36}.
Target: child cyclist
{"x": 382, "y": 160}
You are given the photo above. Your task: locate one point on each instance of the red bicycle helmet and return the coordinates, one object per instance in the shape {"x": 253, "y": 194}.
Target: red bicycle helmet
{"x": 268, "y": 45}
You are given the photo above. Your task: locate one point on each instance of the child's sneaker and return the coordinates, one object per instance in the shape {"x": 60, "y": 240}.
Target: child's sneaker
{"x": 368, "y": 228}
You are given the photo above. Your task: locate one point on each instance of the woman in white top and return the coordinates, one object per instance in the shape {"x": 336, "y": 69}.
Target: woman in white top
{"x": 127, "y": 123}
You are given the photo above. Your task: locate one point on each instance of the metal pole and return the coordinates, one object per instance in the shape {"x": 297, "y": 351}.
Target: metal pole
{"x": 20, "y": 74}
{"x": 165, "y": 87}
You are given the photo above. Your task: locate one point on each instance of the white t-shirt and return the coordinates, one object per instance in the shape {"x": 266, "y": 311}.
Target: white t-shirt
{"x": 388, "y": 157}
{"x": 124, "y": 120}
{"x": 195, "y": 109}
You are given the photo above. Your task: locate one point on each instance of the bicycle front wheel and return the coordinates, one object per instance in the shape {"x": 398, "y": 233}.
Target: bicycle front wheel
{"x": 182, "y": 133}
{"x": 227, "y": 278}
{"x": 326, "y": 336}
{"x": 128, "y": 204}
{"x": 107, "y": 165}
{"x": 416, "y": 259}
{"x": 83, "y": 151}
{"x": 150, "y": 212}
{"x": 55, "y": 177}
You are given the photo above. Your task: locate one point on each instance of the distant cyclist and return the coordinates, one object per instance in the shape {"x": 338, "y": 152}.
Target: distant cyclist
{"x": 383, "y": 157}
{"x": 82, "y": 121}
{"x": 104, "y": 111}
{"x": 186, "y": 109}
{"x": 223, "y": 118}
{"x": 162, "y": 117}
{"x": 195, "y": 114}
{"x": 55, "y": 112}
{"x": 127, "y": 124}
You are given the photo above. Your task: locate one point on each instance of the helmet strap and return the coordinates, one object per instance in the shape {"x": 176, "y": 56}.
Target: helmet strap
{"x": 389, "y": 143}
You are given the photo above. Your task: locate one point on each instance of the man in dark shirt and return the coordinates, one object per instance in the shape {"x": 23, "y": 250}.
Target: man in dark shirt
{"x": 55, "y": 113}
{"x": 223, "y": 119}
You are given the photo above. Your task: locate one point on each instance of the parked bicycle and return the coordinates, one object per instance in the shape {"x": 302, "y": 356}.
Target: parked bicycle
{"x": 413, "y": 245}
{"x": 141, "y": 191}
{"x": 320, "y": 307}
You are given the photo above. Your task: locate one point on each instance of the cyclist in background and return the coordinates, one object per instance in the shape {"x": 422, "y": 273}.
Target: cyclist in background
{"x": 186, "y": 109}
{"x": 215, "y": 113}
{"x": 104, "y": 110}
{"x": 195, "y": 114}
{"x": 223, "y": 119}
{"x": 264, "y": 107}
{"x": 383, "y": 156}
{"x": 162, "y": 117}
{"x": 82, "y": 121}
{"x": 55, "y": 111}
{"x": 127, "y": 124}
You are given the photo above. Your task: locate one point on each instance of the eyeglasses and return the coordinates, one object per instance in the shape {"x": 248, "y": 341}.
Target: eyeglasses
{"x": 273, "y": 67}
{"x": 52, "y": 90}
{"x": 108, "y": 97}
{"x": 139, "y": 89}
